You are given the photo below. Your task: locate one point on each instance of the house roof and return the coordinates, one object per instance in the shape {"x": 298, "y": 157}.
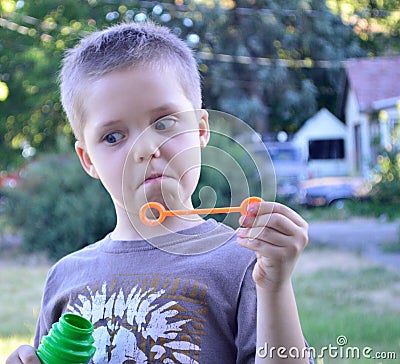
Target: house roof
{"x": 323, "y": 125}
{"x": 373, "y": 79}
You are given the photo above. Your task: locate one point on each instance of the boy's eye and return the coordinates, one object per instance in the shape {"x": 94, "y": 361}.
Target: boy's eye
{"x": 113, "y": 138}
{"x": 164, "y": 124}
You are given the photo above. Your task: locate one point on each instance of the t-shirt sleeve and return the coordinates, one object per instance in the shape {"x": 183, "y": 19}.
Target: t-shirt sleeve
{"x": 41, "y": 325}
{"x": 246, "y": 319}
{"x": 49, "y": 312}
{"x": 40, "y": 332}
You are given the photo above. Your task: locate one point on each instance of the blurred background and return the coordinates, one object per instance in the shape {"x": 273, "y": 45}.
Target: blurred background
{"x": 319, "y": 82}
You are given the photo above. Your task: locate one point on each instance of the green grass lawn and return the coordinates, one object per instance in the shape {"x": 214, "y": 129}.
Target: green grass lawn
{"x": 389, "y": 211}
{"x": 338, "y": 293}
{"x": 21, "y": 287}
{"x": 342, "y": 294}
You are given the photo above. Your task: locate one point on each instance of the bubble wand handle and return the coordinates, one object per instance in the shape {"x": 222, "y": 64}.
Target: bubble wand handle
{"x": 163, "y": 213}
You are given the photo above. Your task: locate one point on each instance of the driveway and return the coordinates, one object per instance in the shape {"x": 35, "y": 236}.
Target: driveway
{"x": 361, "y": 235}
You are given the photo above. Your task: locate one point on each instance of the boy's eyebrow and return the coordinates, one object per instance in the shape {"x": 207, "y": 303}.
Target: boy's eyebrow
{"x": 104, "y": 125}
{"x": 168, "y": 108}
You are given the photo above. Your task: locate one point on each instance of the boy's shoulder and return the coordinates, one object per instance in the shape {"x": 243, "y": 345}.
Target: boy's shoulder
{"x": 84, "y": 256}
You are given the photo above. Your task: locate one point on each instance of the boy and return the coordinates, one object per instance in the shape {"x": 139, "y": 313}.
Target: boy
{"x": 132, "y": 95}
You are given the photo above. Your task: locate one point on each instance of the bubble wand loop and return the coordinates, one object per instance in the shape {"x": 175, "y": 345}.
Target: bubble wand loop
{"x": 163, "y": 213}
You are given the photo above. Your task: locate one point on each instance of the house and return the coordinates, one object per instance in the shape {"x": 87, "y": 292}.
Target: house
{"x": 370, "y": 108}
{"x": 323, "y": 142}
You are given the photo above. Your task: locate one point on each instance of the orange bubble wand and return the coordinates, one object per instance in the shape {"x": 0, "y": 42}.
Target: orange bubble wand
{"x": 163, "y": 213}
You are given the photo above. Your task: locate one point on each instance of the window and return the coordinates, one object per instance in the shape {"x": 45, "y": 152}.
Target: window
{"x": 326, "y": 149}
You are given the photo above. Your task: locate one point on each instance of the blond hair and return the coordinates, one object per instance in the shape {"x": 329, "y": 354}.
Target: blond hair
{"x": 120, "y": 47}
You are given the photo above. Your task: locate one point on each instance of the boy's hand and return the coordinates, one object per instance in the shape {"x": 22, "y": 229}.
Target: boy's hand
{"x": 25, "y": 354}
{"x": 278, "y": 235}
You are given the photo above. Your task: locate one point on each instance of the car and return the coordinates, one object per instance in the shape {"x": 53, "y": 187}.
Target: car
{"x": 290, "y": 169}
{"x": 327, "y": 191}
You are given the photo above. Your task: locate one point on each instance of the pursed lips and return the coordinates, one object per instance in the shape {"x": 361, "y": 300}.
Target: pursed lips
{"x": 154, "y": 177}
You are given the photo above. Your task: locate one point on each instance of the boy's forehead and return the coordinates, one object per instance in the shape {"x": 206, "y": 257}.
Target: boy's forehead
{"x": 143, "y": 82}
{"x": 143, "y": 74}
{"x": 135, "y": 90}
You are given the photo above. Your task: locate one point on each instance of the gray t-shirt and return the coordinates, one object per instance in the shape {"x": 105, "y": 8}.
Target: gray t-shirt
{"x": 149, "y": 305}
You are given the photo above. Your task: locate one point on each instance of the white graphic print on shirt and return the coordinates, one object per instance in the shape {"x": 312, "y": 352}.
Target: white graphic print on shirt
{"x": 144, "y": 323}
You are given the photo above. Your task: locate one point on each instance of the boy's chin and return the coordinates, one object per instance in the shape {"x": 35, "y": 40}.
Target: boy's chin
{"x": 170, "y": 196}
{"x": 169, "y": 202}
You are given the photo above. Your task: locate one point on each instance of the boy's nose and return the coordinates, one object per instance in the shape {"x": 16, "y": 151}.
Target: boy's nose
{"x": 143, "y": 150}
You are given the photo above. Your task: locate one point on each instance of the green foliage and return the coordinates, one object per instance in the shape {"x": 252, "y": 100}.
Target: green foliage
{"x": 228, "y": 176}
{"x": 57, "y": 207}
{"x": 31, "y": 50}
{"x": 278, "y": 93}
{"x": 235, "y": 165}
{"x": 288, "y": 85}
{"x": 266, "y": 96}
{"x": 387, "y": 171}
{"x": 386, "y": 191}
{"x": 373, "y": 208}
{"x": 377, "y": 23}
{"x": 387, "y": 175}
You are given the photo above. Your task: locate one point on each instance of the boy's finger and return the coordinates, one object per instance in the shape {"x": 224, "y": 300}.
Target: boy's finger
{"x": 258, "y": 237}
{"x": 275, "y": 207}
{"x": 25, "y": 354}
{"x": 273, "y": 221}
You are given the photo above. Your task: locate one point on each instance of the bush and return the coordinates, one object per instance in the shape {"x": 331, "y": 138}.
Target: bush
{"x": 234, "y": 167}
{"x": 387, "y": 171}
{"x": 57, "y": 207}
{"x": 387, "y": 176}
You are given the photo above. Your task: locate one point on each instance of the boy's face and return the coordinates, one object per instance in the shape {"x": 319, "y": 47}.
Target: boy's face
{"x": 142, "y": 138}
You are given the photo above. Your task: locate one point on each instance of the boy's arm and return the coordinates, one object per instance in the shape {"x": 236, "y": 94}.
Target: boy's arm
{"x": 278, "y": 235}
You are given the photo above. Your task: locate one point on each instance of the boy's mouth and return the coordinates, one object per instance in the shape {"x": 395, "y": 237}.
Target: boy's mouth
{"x": 153, "y": 178}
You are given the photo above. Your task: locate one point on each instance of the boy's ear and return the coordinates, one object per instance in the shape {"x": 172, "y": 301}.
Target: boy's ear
{"x": 204, "y": 129}
{"x": 85, "y": 160}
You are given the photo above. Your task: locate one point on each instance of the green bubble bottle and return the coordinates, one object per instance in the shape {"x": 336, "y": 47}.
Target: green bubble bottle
{"x": 69, "y": 341}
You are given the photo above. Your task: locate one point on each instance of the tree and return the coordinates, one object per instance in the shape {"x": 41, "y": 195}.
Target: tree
{"x": 376, "y": 22}
{"x": 286, "y": 61}
{"x": 34, "y": 35}
{"x": 32, "y": 42}
{"x": 271, "y": 63}
{"x": 387, "y": 170}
